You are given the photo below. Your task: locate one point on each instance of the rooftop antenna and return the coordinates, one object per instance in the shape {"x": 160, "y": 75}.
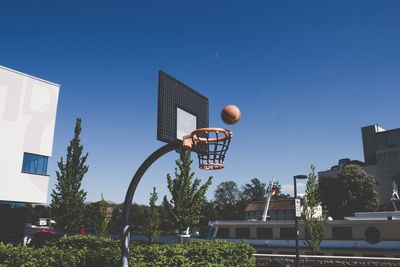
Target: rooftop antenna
{"x": 270, "y": 193}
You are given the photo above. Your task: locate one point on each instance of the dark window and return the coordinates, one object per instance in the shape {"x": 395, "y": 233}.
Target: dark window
{"x": 34, "y": 164}
{"x": 264, "y": 233}
{"x": 290, "y": 215}
{"x": 342, "y": 233}
{"x": 242, "y": 232}
{"x": 372, "y": 235}
{"x": 288, "y": 233}
{"x": 223, "y": 233}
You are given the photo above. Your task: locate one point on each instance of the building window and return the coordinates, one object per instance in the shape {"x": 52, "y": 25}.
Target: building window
{"x": 34, "y": 164}
{"x": 223, "y": 233}
{"x": 242, "y": 233}
{"x": 372, "y": 235}
{"x": 287, "y": 233}
{"x": 342, "y": 233}
{"x": 264, "y": 233}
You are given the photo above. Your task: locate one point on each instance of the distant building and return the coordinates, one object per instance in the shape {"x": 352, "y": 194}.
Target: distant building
{"x": 382, "y": 158}
{"x": 279, "y": 210}
{"x": 27, "y": 119}
{"x": 282, "y": 209}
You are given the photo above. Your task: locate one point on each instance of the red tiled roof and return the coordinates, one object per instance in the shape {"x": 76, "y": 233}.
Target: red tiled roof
{"x": 281, "y": 204}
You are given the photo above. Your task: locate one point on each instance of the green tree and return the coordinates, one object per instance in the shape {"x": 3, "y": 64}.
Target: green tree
{"x": 226, "y": 194}
{"x": 226, "y": 200}
{"x": 255, "y": 190}
{"x": 352, "y": 190}
{"x": 34, "y": 212}
{"x": 152, "y": 218}
{"x": 314, "y": 223}
{"x": 210, "y": 213}
{"x": 103, "y": 222}
{"x": 68, "y": 199}
{"x": 96, "y": 217}
{"x": 278, "y": 192}
{"x": 115, "y": 224}
{"x": 187, "y": 196}
{"x": 332, "y": 194}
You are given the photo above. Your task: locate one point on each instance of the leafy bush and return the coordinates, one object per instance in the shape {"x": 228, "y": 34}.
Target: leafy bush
{"x": 98, "y": 252}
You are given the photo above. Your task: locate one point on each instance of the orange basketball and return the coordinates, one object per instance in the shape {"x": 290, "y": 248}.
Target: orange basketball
{"x": 230, "y": 114}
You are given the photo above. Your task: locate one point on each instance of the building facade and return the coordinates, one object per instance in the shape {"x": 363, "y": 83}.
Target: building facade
{"x": 282, "y": 209}
{"x": 382, "y": 159}
{"x": 27, "y": 119}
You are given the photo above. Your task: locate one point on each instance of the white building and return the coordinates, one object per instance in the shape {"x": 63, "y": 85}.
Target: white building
{"x": 28, "y": 108}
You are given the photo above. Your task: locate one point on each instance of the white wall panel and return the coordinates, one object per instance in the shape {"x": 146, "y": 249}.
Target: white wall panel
{"x": 28, "y": 108}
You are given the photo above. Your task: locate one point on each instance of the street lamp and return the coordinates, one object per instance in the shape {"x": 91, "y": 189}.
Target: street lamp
{"x": 297, "y": 205}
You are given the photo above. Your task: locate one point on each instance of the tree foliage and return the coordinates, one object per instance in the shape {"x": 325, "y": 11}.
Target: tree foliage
{"x": 152, "y": 218}
{"x": 115, "y": 224}
{"x": 255, "y": 190}
{"x": 187, "y": 195}
{"x": 34, "y": 212}
{"x": 103, "y": 222}
{"x": 67, "y": 206}
{"x": 278, "y": 192}
{"x": 226, "y": 194}
{"x": 351, "y": 191}
{"x": 314, "y": 223}
{"x": 226, "y": 200}
{"x": 91, "y": 251}
{"x": 96, "y": 220}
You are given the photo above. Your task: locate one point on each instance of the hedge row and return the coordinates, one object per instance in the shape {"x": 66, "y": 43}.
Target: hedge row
{"x": 97, "y": 252}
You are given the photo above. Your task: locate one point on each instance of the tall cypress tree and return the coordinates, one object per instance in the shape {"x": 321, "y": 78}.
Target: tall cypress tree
{"x": 68, "y": 198}
{"x": 314, "y": 223}
{"x": 187, "y": 196}
{"x": 152, "y": 219}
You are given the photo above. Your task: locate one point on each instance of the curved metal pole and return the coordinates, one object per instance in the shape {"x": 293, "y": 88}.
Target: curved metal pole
{"x": 129, "y": 197}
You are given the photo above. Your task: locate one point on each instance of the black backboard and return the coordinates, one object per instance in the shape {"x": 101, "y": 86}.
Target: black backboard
{"x": 180, "y": 109}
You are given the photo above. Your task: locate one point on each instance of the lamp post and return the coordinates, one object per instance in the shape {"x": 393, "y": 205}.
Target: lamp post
{"x": 296, "y": 263}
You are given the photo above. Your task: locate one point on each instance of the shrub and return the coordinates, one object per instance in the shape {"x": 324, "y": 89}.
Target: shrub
{"x": 79, "y": 251}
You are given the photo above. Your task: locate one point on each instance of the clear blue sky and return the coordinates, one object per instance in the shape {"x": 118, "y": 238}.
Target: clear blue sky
{"x": 306, "y": 75}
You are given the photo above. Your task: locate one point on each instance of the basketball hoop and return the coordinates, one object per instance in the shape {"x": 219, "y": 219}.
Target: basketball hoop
{"x": 210, "y": 144}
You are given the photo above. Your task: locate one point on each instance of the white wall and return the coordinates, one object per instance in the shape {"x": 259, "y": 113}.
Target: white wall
{"x": 28, "y": 108}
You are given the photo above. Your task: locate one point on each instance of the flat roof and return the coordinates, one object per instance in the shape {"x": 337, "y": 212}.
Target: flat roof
{"x": 30, "y": 76}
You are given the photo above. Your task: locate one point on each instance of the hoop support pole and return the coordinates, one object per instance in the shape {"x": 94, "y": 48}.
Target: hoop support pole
{"x": 131, "y": 192}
